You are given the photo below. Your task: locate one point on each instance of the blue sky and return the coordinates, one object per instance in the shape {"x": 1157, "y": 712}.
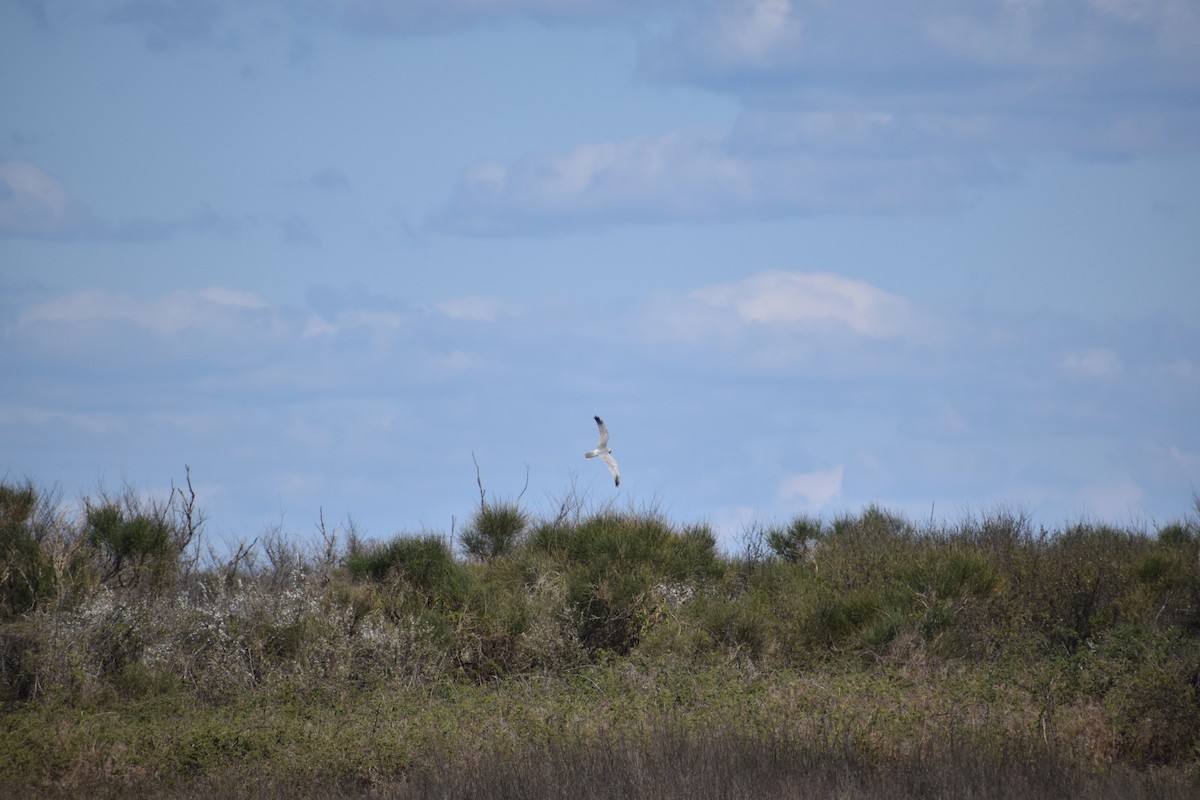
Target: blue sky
{"x": 802, "y": 257}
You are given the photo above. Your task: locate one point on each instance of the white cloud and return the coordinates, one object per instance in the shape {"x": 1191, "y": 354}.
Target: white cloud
{"x": 316, "y": 326}
{"x": 220, "y": 340}
{"x": 776, "y": 318}
{"x": 231, "y": 297}
{"x": 184, "y": 335}
{"x": 82, "y": 306}
{"x": 1094, "y": 363}
{"x": 853, "y": 108}
{"x": 858, "y": 45}
{"x": 36, "y": 204}
{"x": 701, "y": 177}
{"x": 381, "y": 326}
{"x": 224, "y": 322}
{"x": 382, "y": 321}
{"x": 727, "y": 37}
{"x": 817, "y": 489}
{"x": 1188, "y": 460}
{"x": 840, "y": 130}
{"x": 1115, "y": 77}
{"x": 669, "y": 176}
{"x": 1183, "y": 368}
{"x": 821, "y": 298}
{"x": 28, "y": 183}
{"x": 170, "y": 313}
{"x": 753, "y": 31}
{"x": 92, "y": 422}
{"x": 475, "y": 308}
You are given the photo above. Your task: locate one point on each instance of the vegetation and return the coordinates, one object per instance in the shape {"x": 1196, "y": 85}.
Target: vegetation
{"x": 602, "y": 654}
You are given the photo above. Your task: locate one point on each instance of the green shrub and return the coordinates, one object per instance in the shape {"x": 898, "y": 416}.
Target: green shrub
{"x": 837, "y": 617}
{"x": 615, "y": 542}
{"x": 490, "y": 637}
{"x": 1159, "y": 569}
{"x": 951, "y": 572}
{"x": 865, "y": 550}
{"x": 19, "y": 646}
{"x": 137, "y": 544}
{"x": 874, "y": 524}
{"x": 1148, "y": 682}
{"x": 26, "y": 574}
{"x": 494, "y": 530}
{"x": 798, "y": 541}
{"x": 1177, "y": 534}
{"x": 732, "y": 624}
{"x": 617, "y": 567}
{"x": 1005, "y": 537}
{"x": 1079, "y": 576}
{"x": 422, "y": 565}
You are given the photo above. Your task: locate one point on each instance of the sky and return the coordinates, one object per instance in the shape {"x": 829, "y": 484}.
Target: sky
{"x": 802, "y": 257}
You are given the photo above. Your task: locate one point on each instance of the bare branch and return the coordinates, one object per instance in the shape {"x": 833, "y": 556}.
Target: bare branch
{"x": 243, "y": 555}
{"x": 190, "y": 521}
{"x": 571, "y": 504}
{"x": 479, "y": 483}
{"x": 526, "y": 486}
{"x": 327, "y": 558}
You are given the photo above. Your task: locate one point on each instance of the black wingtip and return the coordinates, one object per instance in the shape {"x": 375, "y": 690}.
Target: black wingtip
{"x": 617, "y": 481}
{"x": 598, "y": 420}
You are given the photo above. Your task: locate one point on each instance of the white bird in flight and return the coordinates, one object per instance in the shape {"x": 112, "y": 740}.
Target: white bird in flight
{"x": 604, "y": 453}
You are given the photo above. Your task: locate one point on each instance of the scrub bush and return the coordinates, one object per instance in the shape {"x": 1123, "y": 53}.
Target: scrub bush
{"x": 494, "y": 531}
{"x": 26, "y": 573}
{"x": 621, "y": 571}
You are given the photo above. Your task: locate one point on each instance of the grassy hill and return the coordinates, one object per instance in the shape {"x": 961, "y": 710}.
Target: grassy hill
{"x": 596, "y": 654}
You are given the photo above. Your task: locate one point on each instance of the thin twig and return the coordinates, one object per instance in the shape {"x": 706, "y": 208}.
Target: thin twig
{"x": 479, "y": 483}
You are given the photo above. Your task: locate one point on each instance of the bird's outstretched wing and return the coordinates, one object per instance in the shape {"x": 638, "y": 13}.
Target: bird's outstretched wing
{"x": 612, "y": 467}
{"x": 603, "y": 443}
{"x": 604, "y": 453}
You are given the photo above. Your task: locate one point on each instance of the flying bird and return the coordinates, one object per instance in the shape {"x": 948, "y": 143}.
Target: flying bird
{"x": 604, "y": 453}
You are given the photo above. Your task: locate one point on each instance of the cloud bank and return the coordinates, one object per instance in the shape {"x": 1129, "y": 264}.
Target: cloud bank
{"x": 875, "y": 107}
{"x": 863, "y": 108}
